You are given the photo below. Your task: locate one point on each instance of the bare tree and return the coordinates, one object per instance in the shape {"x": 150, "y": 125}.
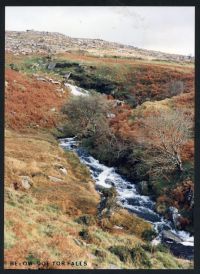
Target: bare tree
{"x": 87, "y": 114}
{"x": 87, "y": 118}
{"x": 166, "y": 132}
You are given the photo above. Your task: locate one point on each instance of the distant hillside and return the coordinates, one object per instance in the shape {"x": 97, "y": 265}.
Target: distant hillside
{"x": 30, "y": 41}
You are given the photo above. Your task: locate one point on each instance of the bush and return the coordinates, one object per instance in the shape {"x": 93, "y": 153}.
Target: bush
{"x": 85, "y": 235}
{"x": 149, "y": 234}
{"x": 100, "y": 253}
{"x": 162, "y": 248}
{"x": 139, "y": 256}
{"x": 147, "y": 247}
{"x": 122, "y": 252}
{"x": 136, "y": 255}
{"x": 86, "y": 220}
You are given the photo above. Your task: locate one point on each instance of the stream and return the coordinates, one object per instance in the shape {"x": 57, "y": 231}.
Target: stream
{"x": 129, "y": 198}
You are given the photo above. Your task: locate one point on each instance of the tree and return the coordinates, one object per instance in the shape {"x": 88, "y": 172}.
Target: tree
{"x": 87, "y": 118}
{"x": 165, "y": 132}
{"x": 87, "y": 115}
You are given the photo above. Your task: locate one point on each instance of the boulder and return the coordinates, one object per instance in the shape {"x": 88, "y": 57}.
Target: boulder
{"x": 63, "y": 170}
{"x": 41, "y": 79}
{"x": 55, "y": 179}
{"x": 176, "y": 246}
{"x": 111, "y": 115}
{"x": 182, "y": 251}
{"x": 170, "y": 237}
{"x": 26, "y": 182}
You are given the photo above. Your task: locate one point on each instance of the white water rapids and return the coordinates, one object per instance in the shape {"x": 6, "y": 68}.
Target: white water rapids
{"x": 128, "y": 196}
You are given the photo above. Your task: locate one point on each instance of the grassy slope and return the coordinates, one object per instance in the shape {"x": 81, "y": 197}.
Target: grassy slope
{"x": 40, "y": 223}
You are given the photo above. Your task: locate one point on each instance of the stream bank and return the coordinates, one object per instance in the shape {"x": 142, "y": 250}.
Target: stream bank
{"x": 180, "y": 243}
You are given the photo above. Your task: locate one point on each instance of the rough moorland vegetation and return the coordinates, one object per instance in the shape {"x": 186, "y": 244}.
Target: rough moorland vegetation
{"x": 54, "y": 192}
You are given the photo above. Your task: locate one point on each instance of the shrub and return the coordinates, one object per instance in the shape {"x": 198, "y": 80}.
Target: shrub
{"x": 136, "y": 255}
{"x": 148, "y": 247}
{"x": 122, "y": 252}
{"x": 149, "y": 234}
{"x": 86, "y": 220}
{"x": 139, "y": 256}
{"x": 84, "y": 233}
{"x": 100, "y": 253}
{"x": 162, "y": 248}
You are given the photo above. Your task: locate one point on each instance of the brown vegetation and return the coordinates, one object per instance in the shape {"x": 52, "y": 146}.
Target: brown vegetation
{"x": 30, "y": 103}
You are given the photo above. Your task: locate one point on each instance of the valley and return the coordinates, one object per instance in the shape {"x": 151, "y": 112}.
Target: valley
{"x": 105, "y": 99}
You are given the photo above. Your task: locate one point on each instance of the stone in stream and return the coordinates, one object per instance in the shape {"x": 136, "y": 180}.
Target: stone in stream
{"x": 168, "y": 236}
{"x": 109, "y": 182}
{"x": 174, "y": 243}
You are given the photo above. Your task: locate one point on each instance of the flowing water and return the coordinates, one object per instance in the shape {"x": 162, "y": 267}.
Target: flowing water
{"x": 130, "y": 199}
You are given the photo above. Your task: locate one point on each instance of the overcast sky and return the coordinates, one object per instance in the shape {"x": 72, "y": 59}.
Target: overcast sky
{"x": 167, "y": 29}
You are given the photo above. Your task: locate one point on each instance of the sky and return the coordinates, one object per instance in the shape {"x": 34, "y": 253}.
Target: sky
{"x": 167, "y": 29}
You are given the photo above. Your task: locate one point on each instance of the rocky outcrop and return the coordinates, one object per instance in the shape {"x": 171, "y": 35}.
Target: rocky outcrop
{"x": 168, "y": 237}
{"x": 175, "y": 243}
{"x": 28, "y": 42}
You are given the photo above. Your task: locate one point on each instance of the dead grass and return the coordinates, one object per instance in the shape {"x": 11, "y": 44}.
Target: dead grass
{"x": 40, "y": 222}
{"x": 30, "y": 103}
